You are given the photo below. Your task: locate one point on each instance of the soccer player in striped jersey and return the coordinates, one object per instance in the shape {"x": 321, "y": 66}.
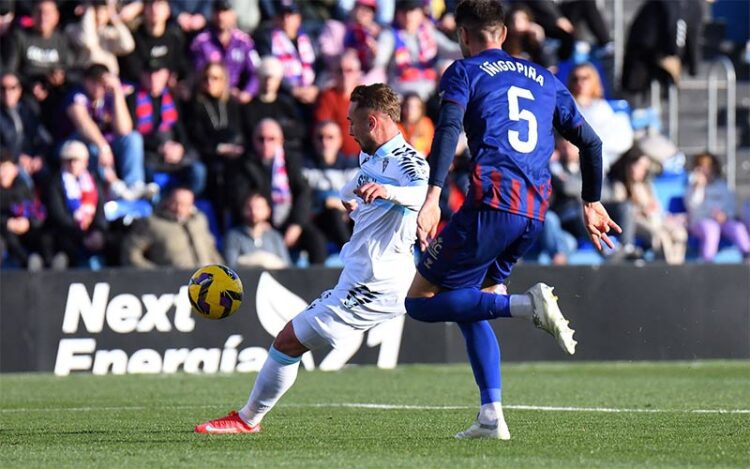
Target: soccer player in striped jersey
{"x": 509, "y": 109}
{"x": 383, "y": 199}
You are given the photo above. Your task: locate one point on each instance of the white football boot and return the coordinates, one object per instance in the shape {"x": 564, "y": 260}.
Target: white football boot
{"x": 547, "y": 316}
{"x": 497, "y": 429}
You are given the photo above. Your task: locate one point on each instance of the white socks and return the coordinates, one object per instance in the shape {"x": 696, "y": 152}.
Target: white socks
{"x": 491, "y": 414}
{"x": 521, "y": 306}
{"x": 275, "y": 378}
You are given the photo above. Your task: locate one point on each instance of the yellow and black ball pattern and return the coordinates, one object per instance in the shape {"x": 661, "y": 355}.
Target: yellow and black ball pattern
{"x": 215, "y": 291}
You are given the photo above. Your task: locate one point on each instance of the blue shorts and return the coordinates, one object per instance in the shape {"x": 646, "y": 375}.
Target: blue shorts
{"x": 478, "y": 244}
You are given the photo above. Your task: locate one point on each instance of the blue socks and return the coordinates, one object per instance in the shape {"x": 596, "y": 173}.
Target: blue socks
{"x": 484, "y": 356}
{"x": 471, "y": 309}
{"x": 462, "y": 305}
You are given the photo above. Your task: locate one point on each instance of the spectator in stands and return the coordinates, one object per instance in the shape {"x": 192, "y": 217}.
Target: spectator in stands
{"x": 157, "y": 117}
{"x": 525, "y": 38}
{"x": 445, "y": 20}
{"x": 97, "y": 113}
{"x": 294, "y": 48}
{"x": 327, "y": 171}
{"x": 588, "y": 13}
{"x": 333, "y": 103}
{"x": 42, "y": 59}
{"x": 28, "y": 243}
{"x": 176, "y": 235}
{"x": 130, "y": 11}
{"x": 272, "y": 102}
{"x": 223, "y": 42}
{"x": 330, "y": 44}
{"x": 417, "y": 48}
{"x": 256, "y": 243}
{"x": 191, "y": 15}
{"x": 43, "y": 51}
{"x": 216, "y": 130}
{"x": 415, "y": 126}
{"x": 21, "y": 131}
{"x": 101, "y": 36}
{"x": 8, "y": 49}
{"x": 664, "y": 233}
{"x": 277, "y": 175}
{"x": 364, "y": 35}
{"x": 613, "y": 128}
{"x": 74, "y": 201}
{"x": 711, "y": 209}
{"x": 156, "y": 39}
{"x": 566, "y": 186}
{"x": 559, "y": 21}
{"x": 248, "y": 14}
{"x": 663, "y": 35}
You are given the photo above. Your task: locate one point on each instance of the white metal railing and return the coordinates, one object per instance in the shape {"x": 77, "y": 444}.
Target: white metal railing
{"x": 712, "y": 86}
{"x": 730, "y": 81}
{"x": 618, "y": 22}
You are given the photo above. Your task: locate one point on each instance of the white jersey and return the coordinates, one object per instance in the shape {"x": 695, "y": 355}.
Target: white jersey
{"x": 381, "y": 246}
{"x": 379, "y": 257}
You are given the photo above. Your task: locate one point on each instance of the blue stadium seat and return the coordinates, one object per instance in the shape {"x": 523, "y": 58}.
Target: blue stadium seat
{"x": 668, "y": 187}
{"x": 676, "y": 205}
{"x": 646, "y": 118}
{"x": 620, "y": 105}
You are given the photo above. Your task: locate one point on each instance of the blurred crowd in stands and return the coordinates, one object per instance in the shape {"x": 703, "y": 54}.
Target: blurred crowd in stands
{"x": 185, "y": 132}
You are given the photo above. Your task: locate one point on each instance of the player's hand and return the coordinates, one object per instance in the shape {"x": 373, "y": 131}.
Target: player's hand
{"x": 349, "y": 205}
{"x": 427, "y": 223}
{"x": 371, "y": 191}
{"x": 598, "y": 224}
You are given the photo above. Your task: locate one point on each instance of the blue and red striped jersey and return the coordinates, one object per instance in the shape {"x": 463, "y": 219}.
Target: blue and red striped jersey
{"x": 512, "y": 108}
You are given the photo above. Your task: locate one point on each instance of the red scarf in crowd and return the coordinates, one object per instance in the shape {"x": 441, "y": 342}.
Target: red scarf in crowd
{"x": 81, "y": 196}
{"x": 408, "y": 69}
{"x": 297, "y": 60}
{"x": 144, "y": 112}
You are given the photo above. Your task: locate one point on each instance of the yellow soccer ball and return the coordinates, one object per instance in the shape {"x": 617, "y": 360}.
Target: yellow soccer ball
{"x": 215, "y": 291}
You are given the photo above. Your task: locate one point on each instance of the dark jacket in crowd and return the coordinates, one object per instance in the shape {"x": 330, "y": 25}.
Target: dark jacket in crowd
{"x": 37, "y": 56}
{"x": 661, "y": 28}
{"x": 256, "y": 177}
{"x": 60, "y": 218}
{"x": 25, "y": 133}
{"x": 169, "y": 48}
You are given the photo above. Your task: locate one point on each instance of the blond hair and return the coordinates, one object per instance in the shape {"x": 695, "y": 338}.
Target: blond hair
{"x": 378, "y": 97}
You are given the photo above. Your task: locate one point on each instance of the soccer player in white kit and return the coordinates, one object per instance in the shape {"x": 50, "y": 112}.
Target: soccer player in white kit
{"x": 383, "y": 200}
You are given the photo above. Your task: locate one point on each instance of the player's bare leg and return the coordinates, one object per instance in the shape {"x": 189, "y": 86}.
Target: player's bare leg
{"x": 422, "y": 288}
{"x": 275, "y": 378}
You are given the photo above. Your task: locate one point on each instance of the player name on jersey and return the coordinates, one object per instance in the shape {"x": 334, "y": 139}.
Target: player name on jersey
{"x": 493, "y": 68}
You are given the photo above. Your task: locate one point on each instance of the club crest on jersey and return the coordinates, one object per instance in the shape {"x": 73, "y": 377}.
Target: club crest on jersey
{"x": 364, "y": 179}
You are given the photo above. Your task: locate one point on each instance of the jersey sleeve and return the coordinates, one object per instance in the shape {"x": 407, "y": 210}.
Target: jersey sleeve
{"x": 567, "y": 116}
{"x": 413, "y": 168}
{"x": 569, "y": 122}
{"x": 454, "y": 85}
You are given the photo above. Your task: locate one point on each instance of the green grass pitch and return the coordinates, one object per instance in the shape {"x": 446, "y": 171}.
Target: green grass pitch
{"x": 560, "y": 415}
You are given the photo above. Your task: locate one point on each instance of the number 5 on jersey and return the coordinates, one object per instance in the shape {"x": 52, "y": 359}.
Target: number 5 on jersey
{"x": 517, "y": 114}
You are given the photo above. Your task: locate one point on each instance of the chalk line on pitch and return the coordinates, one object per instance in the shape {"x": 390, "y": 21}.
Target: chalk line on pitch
{"x": 376, "y": 406}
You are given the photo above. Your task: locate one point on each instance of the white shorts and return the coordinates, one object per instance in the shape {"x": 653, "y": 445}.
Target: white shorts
{"x": 339, "y": 314}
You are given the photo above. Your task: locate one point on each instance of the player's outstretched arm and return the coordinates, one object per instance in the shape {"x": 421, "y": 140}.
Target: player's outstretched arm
{"x": 408, "y": 196}
{"x": 598, "y": 224}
